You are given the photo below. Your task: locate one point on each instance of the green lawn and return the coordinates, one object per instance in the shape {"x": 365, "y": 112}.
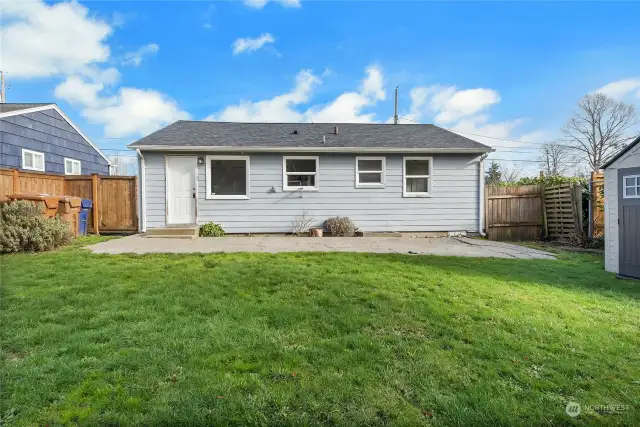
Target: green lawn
{"x": 315, "y": 339}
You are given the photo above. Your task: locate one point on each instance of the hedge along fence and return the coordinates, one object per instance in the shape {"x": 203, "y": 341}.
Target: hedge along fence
{"x": 528, "y": 212}
{"x": 115, "y": 198}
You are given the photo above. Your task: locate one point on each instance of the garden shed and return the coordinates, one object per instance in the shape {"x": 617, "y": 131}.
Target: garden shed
{"x": 622, "y": 211}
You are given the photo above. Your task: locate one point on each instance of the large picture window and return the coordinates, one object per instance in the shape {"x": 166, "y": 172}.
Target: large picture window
{"x": 228, "y": 177}
{"x": 417, "y": 175}
{"x": 32, "y": 160}
{"x": 300, "y": 173}
{"x": 370, "y": 172}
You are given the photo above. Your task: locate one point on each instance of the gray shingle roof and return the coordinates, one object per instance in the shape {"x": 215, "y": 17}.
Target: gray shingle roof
{"x": 6, "y": 108}
{"x": 306, "y": 135}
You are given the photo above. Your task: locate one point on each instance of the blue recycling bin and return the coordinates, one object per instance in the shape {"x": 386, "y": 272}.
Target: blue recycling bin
{"x": 83, "y": 216}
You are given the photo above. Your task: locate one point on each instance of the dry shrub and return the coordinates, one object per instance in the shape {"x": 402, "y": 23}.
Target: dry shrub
{"x": 340, "y": 226}
{"x": 22, "y": 228}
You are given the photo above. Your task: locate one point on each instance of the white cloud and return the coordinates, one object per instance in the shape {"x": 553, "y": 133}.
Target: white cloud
{"x": 347, "y": 107}
{"x": 136, "y": 57}
{"x": 250, "y": 45}
{"x": 277, "y": 109}
{"x": 620, "y": 89}
{"x": 40, "y": 40}
{"x": 259, "y": 4}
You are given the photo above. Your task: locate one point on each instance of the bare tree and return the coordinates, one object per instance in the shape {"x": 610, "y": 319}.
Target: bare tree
{"x": 554, "y": 158}
{"x": 124, "y": 165}
{"x": 598, "y": 128}
{"x": 510, "y": 176}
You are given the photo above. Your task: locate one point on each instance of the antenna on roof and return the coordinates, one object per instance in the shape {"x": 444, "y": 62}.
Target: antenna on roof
{"x": 395, "y": 108}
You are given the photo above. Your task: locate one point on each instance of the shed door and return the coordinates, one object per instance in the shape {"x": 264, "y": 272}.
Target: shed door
{"x": 629, "y": 218}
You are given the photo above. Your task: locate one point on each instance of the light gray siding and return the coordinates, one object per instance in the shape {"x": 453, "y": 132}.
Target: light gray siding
{"x": 49, "y": 133}
{"x": 454, "y": 205}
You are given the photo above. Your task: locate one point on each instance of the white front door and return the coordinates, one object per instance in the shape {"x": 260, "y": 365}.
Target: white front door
{"x": 181, "y": 190}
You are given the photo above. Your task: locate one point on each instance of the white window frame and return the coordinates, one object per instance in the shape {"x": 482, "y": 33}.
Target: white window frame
{"x": 210, "y": 196}
{"x": 383, "y": 173}
{"x": 72, "y": 162}
{"x": 33, "y": 154}
{"x": 405, "y": 176}
{"x": 286, "y": 187}
{"x": 625, "y": 186}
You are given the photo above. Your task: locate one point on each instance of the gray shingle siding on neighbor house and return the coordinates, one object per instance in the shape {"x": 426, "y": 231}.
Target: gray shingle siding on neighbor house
{"x": 47, "y": 132}
{"x": 453, "y": 206}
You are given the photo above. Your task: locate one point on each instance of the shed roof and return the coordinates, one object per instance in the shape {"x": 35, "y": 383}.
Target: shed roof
{"x": 205, "y": 134}
{"x": 621, "y": 152}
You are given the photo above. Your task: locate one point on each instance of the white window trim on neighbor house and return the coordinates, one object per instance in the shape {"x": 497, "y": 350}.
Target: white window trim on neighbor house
{"x": 405, "y": 176}
{"x": 286, "y": 187}
{"x": 208, "y": 194}
{"x": 382, "y": 172}
{"x": 71, "y": 163}
{"x": 636, "y": 186}
{"x": 33, "y": 154}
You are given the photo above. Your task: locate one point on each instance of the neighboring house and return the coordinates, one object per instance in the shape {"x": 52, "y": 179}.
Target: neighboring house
{"x": 40, "y": 137}
{"x": 259, "y": 177}
{"x": 622, "y": 211}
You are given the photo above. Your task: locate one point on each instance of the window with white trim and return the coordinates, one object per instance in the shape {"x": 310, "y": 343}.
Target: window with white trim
{"x": 370, "y": 172}
{"x": 228, "y": 177}
{"x": 300, "y": 173}
{"x": 417, "y": 174}
{"x": 32, "y": 160}
{"x": 631, "y": 187}
{"x": 72, "y": 167}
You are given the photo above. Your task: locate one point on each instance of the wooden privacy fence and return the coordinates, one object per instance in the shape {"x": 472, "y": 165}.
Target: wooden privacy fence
{"x": 115, "y": 206}
{"x": 514, "y": 213}
{"x": 596, "y": 205}
{"x": 528, "y": 212}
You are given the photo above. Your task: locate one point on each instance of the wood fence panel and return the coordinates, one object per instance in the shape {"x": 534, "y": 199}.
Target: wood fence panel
{"x": 34, "y": 182}
{"x": 6, "y": 184}
{"x": 564, "y": 211}
{"x": 597, "y": 205}
{"x": 514, "y": 213}
{"x": 118, "y": 205}
{"x": 80, "y": 186}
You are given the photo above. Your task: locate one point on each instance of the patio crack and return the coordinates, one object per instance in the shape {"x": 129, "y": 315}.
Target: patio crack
{"x": 487, "y": 247}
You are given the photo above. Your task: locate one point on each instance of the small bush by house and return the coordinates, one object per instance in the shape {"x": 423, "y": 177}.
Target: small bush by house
{"x": 211, "y": 230}
{"x": 340, "y": 226}
{"x": 22, "y": 228}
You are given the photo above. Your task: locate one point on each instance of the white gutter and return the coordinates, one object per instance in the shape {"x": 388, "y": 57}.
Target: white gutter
{"x": 310, "y": 149}
{"x": 143, "y": 195}
{"x": 481, "y": 194}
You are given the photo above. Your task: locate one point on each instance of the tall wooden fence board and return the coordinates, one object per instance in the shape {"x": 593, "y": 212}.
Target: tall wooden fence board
{"x": 564, "y": 211}
{"x": 116, "y": 196}
{"x": 597, "y": 205}
{"x": 514, "y": 213}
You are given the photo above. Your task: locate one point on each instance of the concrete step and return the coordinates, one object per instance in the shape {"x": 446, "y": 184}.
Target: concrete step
{"x": 173, "y": 232}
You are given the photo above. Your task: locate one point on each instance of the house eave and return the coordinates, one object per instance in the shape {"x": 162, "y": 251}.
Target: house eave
{"x": 310, "y": 149}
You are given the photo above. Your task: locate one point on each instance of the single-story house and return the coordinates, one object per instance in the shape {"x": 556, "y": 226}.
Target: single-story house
{"x": 41, "y": 138}
{"x": 260, "y": 177}
{"x": 622, "y": 211}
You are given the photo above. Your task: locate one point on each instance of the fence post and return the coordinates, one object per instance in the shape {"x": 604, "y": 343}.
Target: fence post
{"x": 16, "y": 181}
{"x": 96, "y": 204}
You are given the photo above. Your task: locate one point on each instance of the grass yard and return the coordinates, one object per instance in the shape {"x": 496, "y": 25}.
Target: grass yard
{"x": 315, "y": 339}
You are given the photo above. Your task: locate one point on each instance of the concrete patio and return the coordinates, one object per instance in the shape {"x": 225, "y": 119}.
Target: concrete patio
{"x": 447, "y": 246}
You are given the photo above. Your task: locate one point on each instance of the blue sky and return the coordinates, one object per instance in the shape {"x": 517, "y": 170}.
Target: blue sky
{"x": 504, "y": 70}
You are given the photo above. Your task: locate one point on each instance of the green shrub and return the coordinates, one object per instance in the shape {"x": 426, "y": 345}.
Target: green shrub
{"x": 340, "y": 226}
{"x": 22, "y": 228}
{"x": 211, "y": 230}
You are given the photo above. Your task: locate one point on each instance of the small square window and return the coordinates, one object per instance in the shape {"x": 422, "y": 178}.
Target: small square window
{"x": 370, "y": 172}
{"x": 72, "y": 167}
{"x": 300, "y": 173}
{"x": 631, "y": 187}
{"x": 417, "y": 176}
{"x": 228, "y": 177}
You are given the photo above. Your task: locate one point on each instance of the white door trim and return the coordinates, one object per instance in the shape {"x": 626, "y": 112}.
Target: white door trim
{"x": 166, "y": 187}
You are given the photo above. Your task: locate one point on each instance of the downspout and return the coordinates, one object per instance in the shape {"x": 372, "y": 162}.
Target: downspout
{"x": 143, "y": 195}
{"x": 481, "y": 194}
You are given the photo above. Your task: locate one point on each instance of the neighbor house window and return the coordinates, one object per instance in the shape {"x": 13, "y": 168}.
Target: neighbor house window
{"x": 32, "y": 160}
{"x": 370, "y": 172}
{"x": 72, "y": 167}
{"x": 631, "y": 185}
{"x": 300, "y": 173}
{"x": 227, "y": 177}
{"x": 417, "y": 175}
